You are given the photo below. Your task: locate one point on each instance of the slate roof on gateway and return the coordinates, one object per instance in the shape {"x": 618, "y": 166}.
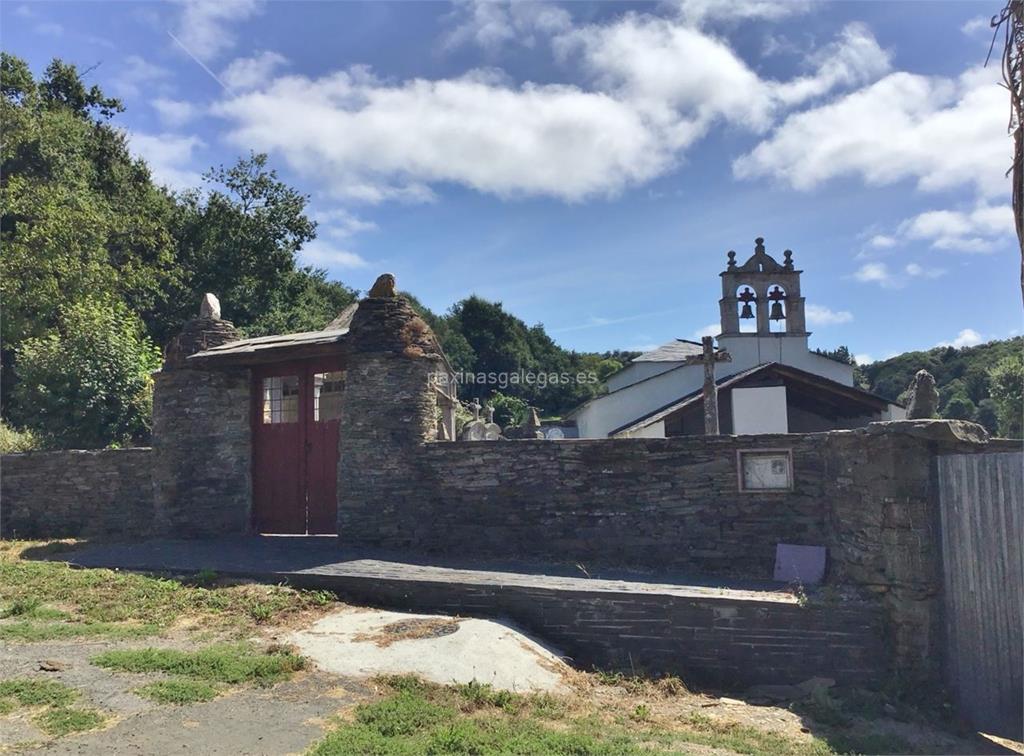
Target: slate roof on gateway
{"x": 674, "y": 351}
{"x": 333, "y": 332}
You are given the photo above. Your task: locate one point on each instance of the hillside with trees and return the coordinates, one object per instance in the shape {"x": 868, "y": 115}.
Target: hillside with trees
{"x": 981, "y": 383}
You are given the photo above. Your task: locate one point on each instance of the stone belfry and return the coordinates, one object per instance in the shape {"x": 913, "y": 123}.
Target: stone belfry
{"x": 762, "y": 289}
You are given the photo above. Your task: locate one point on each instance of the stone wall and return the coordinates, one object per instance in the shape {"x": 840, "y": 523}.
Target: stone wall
{"x": 202, "y": 452}
{"x": 674, "y": 505}
{"x": 709, "y": 640}
{"x": 670, "y": 504}
{"x": 76, "y": 494}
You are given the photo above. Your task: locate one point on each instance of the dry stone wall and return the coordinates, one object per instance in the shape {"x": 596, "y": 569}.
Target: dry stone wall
{"x": 203, "y": 452}
{"x": 80, "y": 494}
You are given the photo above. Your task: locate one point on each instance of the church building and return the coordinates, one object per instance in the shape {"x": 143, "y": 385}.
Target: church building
{"x": 768, "y": 380}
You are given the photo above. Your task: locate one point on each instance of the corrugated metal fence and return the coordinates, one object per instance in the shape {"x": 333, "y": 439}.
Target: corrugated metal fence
{"x": 981, "y": 504}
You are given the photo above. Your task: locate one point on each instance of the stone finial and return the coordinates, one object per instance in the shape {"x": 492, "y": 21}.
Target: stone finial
{"x": 731, "y": 254}
{"x": 383, "y": 287}
{"x": 210, "y": 307}
{"x": 759, "y": 245}
{"x": 923, "y": 401}
{"x": 788, "y": 259}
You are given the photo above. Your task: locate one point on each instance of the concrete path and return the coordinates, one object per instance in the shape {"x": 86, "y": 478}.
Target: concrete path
{"x": 302, "y": 559}
{"x": 364, "y": 642}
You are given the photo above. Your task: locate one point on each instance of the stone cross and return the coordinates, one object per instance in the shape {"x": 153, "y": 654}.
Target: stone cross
{"x": 475, "y": 407}
{"x": 708, "y": 358}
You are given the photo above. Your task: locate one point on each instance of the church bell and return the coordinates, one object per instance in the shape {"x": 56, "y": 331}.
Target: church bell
{"x": 776, "y": 312}
{"x": 746, "y": 313}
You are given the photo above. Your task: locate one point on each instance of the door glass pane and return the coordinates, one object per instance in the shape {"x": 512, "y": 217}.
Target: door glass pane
{"x": 281, "y": 399}
{"x": 327, "y": 388}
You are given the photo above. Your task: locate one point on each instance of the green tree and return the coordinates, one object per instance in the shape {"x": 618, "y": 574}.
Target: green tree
{"x": 1006, "y": 379}
{"x": 987, "y": 415}
{"x": 239, "y": 240}
{"x": 960, "y": 407}
{"x": 79, "y": 216}
{"x": 88, "y": 384}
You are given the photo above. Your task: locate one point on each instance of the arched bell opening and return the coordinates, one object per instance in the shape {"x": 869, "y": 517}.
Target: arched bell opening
{"x": 777, "y": 308}
{"x": 746, "y": 308}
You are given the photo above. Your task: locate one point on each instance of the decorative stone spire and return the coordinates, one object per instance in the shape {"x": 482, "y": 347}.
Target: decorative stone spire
{"x": 210, "y": 307}
{"x": 201, "y": 333}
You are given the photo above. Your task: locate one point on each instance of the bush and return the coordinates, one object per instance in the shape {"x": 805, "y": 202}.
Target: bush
{"x": 1007, "y": 387}
{"x": 508, "y": 410}
{"x": 13, "y": 440}
{"x": 959, "y": 407}
{"x": 88, "y": 384}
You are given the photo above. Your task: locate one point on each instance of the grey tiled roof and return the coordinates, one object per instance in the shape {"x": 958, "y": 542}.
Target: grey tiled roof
{"x": 676, "y": 350}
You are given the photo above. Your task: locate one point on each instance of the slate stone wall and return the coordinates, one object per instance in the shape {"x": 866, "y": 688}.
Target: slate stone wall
{"x": 661, "y": 503}
{"x": 202, "y": 443}
{"x": 76, "y": 494}
{"x": 723, "y": 642}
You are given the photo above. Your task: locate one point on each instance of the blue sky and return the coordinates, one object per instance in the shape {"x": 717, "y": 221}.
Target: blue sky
{"x": 589, "y": 164}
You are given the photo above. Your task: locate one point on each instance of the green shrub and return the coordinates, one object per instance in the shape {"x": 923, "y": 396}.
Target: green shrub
{"x": 14, "y": 441}
{"x": 88, "y": 384}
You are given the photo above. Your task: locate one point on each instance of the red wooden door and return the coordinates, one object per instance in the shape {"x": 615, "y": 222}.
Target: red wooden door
{"x": 296, "y": 411}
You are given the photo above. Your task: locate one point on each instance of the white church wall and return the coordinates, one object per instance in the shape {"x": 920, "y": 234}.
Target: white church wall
{"x": 654, "y": 430}
{"x": 606, "y": 413}
{"x": 749, "y": 351}
{"x": 759, "y": 410}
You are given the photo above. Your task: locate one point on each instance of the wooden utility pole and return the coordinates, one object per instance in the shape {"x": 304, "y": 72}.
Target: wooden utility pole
{"x": 708, "y": 358}
{"x": 1011, "y": 21}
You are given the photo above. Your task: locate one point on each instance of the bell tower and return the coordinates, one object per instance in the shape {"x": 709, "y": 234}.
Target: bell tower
{"x": 765, "y": 291}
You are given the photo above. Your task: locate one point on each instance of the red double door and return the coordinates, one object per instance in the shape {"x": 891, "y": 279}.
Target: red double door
{"x": 296, "y": 413}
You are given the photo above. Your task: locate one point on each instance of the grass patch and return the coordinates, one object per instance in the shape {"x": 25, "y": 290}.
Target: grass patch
{"x": 64, "y": 721}
{"x": 98, "y": 599}
{"x": 741, "y": 738}
{"x": 179, "y": 691}
{"x": 58, "y": 716}
{"x": 231, "y": 664}
{"x": 30, "y": 692}
{"x": 416, "y": 717}
{"x": 34, "y": 632}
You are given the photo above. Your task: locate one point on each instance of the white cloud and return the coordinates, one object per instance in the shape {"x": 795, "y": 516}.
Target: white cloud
{"x": 876, "y": 272}
{"x": 863, "y": 359}
{"x": 550, "y": 140}
{"x": 854, "y": 59}
{"x": 490, "y": 25}
{"x": 322, "y": 255}
{"x": 699, "y": 12}
{"x": 977, "y": 230}
{"x": 249, "y": 73}
{"x": 883, "y": 241}
{"x": 203, "y": 26}
{"x": 818, "y": 315}
{"x": 939, "y": 132}
{"x": 966, "y": 338}
{"x": 655, "y": 86}
{"x": 914, "y": 270}
{"x": 174, "y": 113}
{"x": 137, "y": 74}
{"x": 341, "y": 224}
{"x": 711, "y": 329}
{"x": 976, "y": 26}
{"x": 168, "y": 157}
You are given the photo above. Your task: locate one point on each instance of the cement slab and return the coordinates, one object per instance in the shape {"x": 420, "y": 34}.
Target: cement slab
{"x": 357, "y": 643}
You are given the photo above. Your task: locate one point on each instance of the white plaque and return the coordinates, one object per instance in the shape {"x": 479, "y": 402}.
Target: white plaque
{"x": 766, "y": 471}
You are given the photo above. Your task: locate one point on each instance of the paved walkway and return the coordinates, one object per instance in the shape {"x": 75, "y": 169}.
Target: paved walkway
{"x": 299, "y": 558}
